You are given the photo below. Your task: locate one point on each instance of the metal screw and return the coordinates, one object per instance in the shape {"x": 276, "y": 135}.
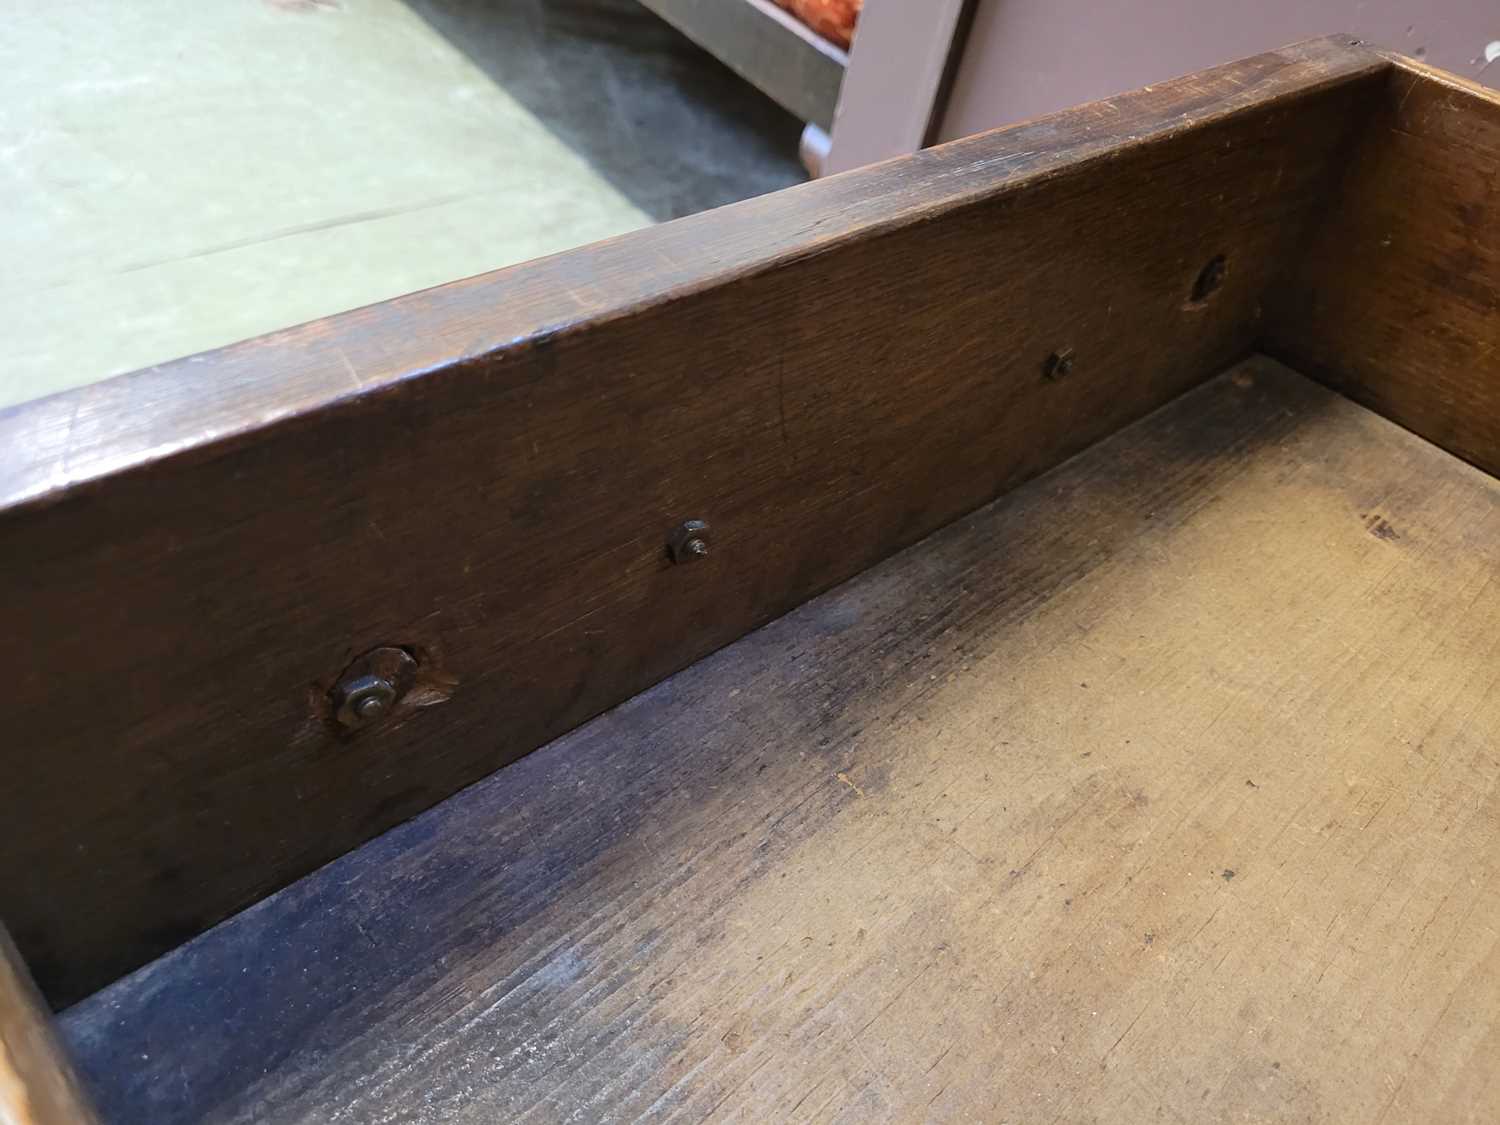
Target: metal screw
{"x": 689, "y": 542}
{"x": 1058, "y": 364}
{"x": 373, "y": 705}
{"x": 363, "y": 700}
{"x": 369, "y": 689}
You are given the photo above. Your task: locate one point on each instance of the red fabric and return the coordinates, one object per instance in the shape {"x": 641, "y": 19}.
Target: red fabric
{"x": 832, "y": 19}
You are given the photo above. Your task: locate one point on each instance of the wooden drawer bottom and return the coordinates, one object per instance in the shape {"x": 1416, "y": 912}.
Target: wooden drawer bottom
{"x": 1164, "y": 786}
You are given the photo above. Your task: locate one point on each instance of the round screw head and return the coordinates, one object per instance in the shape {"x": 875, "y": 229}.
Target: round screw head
{"x": 688, "y": 541}
{"x": 370, "y": 708}
{"x": 1059, "y": 364}
{"x": 369, "y": 690}
{"x": 362, "y": 700}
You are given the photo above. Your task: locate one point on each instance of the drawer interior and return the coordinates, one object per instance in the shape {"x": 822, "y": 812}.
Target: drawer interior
{"x": 1165, "y": 785}
{"x": 1084, "y": 709}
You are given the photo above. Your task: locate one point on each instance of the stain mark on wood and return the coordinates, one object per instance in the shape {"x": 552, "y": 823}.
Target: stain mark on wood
{"x": 1003, "y": 928}
{"x": 570, "y": 393}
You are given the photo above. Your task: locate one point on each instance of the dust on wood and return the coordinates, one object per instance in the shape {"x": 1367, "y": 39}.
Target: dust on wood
{"x": 888, "y": 858}
{"x": 488, "y": 471}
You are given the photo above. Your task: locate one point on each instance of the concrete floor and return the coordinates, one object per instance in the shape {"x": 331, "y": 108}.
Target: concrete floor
{"x": 176, "y": 176}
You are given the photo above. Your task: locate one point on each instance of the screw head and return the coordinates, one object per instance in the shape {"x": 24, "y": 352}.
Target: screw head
{"x": 689, "y": 541}
{"x": 370, "y": 688}
{"x": 363, "y": 700}
{"x": 371, "y": 707}
{"x": 1059, "y": 364}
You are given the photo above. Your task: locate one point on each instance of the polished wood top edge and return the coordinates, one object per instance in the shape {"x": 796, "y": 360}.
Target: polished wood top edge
{"x": 1448, "y": 79}
{"x": 203, "y": 405}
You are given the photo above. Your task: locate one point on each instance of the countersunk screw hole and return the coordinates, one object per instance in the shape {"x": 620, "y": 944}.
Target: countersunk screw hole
{"x": 1209, "y": 278}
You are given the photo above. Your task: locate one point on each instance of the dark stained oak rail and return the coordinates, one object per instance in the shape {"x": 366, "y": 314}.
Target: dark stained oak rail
{"x": 1161, "y": 789}
{"x": 1397, "y": 300}
{"x": 487, "y": 474}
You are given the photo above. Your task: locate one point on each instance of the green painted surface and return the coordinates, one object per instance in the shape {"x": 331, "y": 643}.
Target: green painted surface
{"x": 175, "y": 176}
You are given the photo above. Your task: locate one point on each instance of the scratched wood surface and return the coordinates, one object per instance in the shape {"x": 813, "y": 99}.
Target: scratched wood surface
{"x": 487, "y": 474}
{"x": 1396, "y": 301}
{"x": 1164, "y": 788}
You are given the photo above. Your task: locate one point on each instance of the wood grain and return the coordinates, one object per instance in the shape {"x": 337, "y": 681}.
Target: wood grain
{"x": 1164, "y": 788}
{"x": 37, "y": 1083}
{"x": 772, "y": 50}
{"x": 487, "y": 473}
{"x": 1397, "y": 300}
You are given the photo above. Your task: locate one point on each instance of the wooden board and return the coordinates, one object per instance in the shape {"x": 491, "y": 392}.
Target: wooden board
{"x": 1165, "y": 788}
{"x": 1397, "y": 300}
{"x": 37, "y": 1083}
{"x": 487, "y": 474}
{"x": 775, "y": 52}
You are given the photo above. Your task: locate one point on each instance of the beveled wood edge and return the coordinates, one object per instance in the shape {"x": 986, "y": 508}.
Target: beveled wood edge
{"x": 199, "y": 406}
{"x": 1437, "y": 75}
{"x": 37, "y": 1083}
